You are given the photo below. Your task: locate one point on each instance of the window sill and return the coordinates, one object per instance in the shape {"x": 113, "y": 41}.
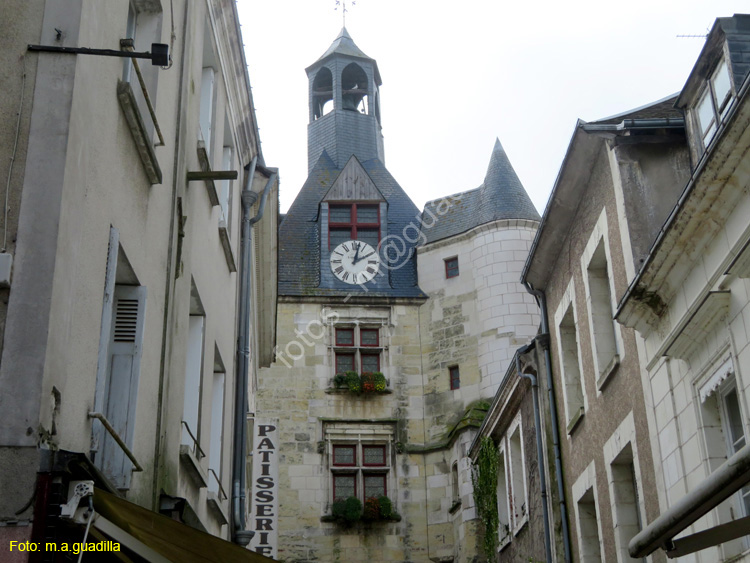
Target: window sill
{"x": 504, "y": 541}
{"x": 329, "y": 518}
{"x": 215, "y": 507}
{"x": 205, "y": 163}
{"x": 521, "y": 524}
{"x": 227, "y": 246}
{"x": 192, "y": 466}
{"x": 574, "y": 420}
{"x": 138, "y": 130}
{"x": 347, "y": 391}
{"x": 607, "y": 372}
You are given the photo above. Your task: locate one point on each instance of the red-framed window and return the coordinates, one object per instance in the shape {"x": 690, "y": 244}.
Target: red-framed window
{"x": 451, "y": 267}
{"x": 344, "y": 362}
{"x": 455, "y": 377}
{"x": 344, "y": 456}
{"x": 370, "y": 363}
{"x": 344, "y": 486}
{"x": 353, "y": 221}
{"x": 374, "y": 485}
{"x": 373, "y": 456}
{"x": 369, "y": 337}
{"x": 344, "y": 337}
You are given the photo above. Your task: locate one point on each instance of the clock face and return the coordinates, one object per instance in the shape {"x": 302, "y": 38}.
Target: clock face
{"x": 355, "y": 262}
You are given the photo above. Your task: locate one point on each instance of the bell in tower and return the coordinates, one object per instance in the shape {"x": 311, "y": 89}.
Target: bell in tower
{"x": 344, "y": 105}
{"x": 354, "y": 88}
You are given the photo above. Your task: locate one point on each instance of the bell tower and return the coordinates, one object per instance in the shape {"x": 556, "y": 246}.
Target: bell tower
{"x": 344, "y": 105}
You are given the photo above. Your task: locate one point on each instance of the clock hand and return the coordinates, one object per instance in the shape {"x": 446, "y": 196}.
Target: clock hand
{"x": 363, "y": 257}
{"x": 356, "y": 254}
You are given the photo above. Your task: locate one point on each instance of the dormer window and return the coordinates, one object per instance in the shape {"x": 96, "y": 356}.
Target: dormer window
{"x": 354, "y": 221}
{"x": 714, "y": 103}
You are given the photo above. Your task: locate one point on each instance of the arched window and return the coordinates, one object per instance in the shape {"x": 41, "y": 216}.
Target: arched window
{"x": 354, "y": 94}
{"x": 322, "y": 94}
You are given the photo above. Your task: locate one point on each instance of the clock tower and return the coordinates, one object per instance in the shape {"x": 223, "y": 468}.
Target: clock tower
{"x": 394, "y": 328}
{"x": 350, "y": 206}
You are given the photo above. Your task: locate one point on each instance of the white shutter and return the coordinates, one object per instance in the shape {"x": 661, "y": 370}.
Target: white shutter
{"x": 217, "y": 423}
{"x": 225, "y": 185}
{"x": 125, "y": 347}
{"x": 193, "y": 370}
{"x": 102, "y": 370}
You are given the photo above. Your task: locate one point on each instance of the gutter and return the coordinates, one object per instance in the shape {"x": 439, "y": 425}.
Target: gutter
{"x": 720, "y": 485}
{"x": 241, "y": 535}
{"x": 544, "y": 340}
{"x": 539, "y": 450}
{"x": 626, "y": 124}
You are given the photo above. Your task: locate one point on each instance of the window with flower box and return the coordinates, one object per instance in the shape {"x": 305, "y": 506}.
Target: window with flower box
{"x": 359, "y": 468}
{"x": 358, "y": 457}
{"x": 357, "y": 349}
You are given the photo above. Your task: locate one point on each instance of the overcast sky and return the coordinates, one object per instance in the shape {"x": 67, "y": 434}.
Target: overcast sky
{"x": 456, "y": 75}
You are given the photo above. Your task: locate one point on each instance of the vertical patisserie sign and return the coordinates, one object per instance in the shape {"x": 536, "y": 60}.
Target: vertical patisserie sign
{"x": 264, "y": 506}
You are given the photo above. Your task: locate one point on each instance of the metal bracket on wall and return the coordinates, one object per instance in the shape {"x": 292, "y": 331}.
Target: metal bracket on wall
{"x": 159, "y": 55}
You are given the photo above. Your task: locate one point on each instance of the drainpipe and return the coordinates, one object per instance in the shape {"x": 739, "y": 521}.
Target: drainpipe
{"x": 539, "y": 450}
{"x": 542, "y": 301}
{"x": 241, "y": 535}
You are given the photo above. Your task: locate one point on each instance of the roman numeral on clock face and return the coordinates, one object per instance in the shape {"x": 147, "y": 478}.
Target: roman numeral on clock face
{"x": 345, "y": 275}
{"x": 339, "y": 270}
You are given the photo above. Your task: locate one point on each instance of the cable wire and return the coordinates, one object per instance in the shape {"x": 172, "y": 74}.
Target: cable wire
{"x": 13, "y": 157}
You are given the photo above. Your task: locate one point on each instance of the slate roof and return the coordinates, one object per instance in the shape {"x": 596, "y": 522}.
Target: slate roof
{"x": 343, "y": 45}
{"x": 501, "y": 196}
{"x": 299, "y": 234}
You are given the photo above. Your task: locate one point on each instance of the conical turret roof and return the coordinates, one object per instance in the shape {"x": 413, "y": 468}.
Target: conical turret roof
{"x": 501, "y": 196}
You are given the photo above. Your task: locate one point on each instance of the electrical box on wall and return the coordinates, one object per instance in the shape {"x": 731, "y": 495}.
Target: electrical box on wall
{"x": 6, "y": 263}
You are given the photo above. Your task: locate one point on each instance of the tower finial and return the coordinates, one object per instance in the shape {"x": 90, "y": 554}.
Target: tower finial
{"x": 344, "y": 9}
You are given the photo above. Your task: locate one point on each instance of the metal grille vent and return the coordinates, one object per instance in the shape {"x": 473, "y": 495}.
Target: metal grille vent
{"x": 126, "y": 319}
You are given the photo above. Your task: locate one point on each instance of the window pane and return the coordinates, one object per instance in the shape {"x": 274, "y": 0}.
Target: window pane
{"x": 344, "y": 337}
{"x": 344, "y": 455}
{"x": 735, "y": 420}
{"x": 722, "y": 86}
{"x": 344, "y": 362}
{"x": 706, "y": 117}
{"x": 373, "y": 455}
{"x": 370, "y": 236}
{"x": 455, "y": 377}
{"x": 340, "y": 214}
{"x": 368, "y": 336}
{"x": 340, "y": 235}
{"x": 374, "y": 485}
{"x": 370, "y": 363}
{"x": 451, "y": 267}
{"x": 344, "y": 487}
{"x": 367, "y": 214}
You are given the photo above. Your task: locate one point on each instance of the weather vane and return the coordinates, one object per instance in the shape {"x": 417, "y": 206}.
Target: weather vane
{"x": 344, "y": 10}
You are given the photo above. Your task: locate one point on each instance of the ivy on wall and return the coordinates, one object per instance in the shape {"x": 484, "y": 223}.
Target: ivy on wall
{"x": 484, "y": 479}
